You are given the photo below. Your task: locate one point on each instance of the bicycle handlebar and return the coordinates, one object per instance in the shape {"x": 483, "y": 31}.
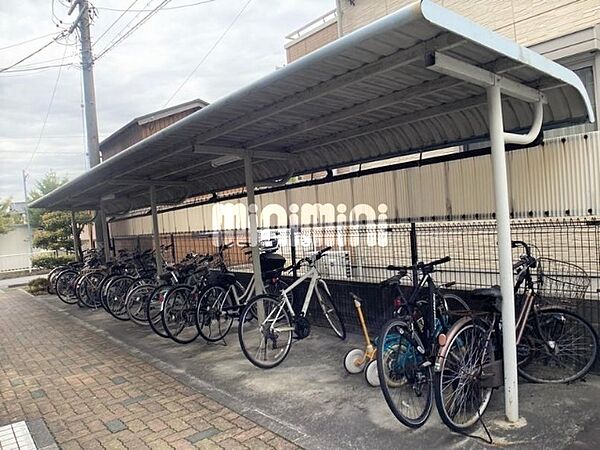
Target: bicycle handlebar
{"x": 420, "y": 265}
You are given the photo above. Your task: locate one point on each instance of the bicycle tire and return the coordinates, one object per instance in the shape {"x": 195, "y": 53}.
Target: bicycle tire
{"x": 330, "y": 311}
{"x": 250, "y": 331}
{"x": 400, "y": 364}
{"x": 180, "y": 297}
{"x": 65, "y": 288}
{"x": 548, "y": 348}
{"x": 135, "y": 303}
{"x": 207, "y": 314}
{"x": 154, "y": 309}
{"x": 88, "y": 289}
{"x": 116, "y": 293}
{"x": 461, "y": 370}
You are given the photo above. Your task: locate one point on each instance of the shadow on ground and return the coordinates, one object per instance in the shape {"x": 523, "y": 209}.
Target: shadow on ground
{"x": 311, "y": 400}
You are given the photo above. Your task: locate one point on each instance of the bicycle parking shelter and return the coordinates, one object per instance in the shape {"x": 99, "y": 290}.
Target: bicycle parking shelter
{"x": 419, "y": 79}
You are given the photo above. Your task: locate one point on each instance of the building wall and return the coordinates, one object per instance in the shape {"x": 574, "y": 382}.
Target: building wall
{"x": 312, "y": 42}
{"x": 557, "y": 179}
{"x": 136, "y": 132}
{"x": 527, "y": 22}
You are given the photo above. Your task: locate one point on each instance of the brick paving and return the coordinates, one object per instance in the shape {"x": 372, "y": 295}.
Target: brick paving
{"x": 92, "y": 394}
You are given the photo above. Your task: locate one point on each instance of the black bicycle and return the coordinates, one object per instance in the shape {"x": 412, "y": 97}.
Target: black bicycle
{"x": 408, "y": 343}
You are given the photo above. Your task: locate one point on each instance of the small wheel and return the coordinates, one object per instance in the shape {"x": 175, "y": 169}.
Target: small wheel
{"x": 371, "y": 374}
{"x": 65, "y": 286}
{"x": 354, "y": 361}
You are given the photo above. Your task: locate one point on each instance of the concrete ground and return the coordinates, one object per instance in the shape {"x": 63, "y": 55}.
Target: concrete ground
{"x": 311, "y": 401}
{"x": 18, "y": 281}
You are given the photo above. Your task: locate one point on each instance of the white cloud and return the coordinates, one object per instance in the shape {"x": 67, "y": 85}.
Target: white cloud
{"x": 135, "y": 78}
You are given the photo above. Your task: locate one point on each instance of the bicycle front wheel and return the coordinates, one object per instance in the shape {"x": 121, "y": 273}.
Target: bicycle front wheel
{"x": 65, "y": 286}
{"x": 266, "y": 344}
{"x": 136, "y": 301}
{"x": 179, "y": 314}
{"x": 558, "y": 346}
{"x": 405, "y": 375}
{"x": 154, "y": 307}
{"x": 460, "y": 395}
{"x": 214, "y": 314}
{"x": 329, "y": 311}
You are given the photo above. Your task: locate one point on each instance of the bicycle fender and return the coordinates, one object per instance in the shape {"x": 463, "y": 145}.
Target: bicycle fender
{"x": 443, "y": 350}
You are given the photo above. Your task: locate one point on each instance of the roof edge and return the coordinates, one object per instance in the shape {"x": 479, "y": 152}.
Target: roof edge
{"x": 457, "y": 24}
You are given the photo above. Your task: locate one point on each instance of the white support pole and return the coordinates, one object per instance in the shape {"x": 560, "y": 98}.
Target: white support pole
{"x": 253, "y": 225}
{"x": 155, "y": 232}
{"x": 511, "y": 393}
{"x": 104, "y": 235}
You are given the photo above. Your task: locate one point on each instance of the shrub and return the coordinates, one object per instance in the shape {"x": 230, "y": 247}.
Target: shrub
{"x": 51, "y": 261}
{"x": 38, "y": 286}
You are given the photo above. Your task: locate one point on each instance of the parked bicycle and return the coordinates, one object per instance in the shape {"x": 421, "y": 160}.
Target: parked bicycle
{"x": 408, "y": 343}
{"x": 268, "y": 323}
{"x": 554, "y": 344}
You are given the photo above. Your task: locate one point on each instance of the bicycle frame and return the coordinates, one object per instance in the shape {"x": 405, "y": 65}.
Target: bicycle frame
{"x": 315, "y": 277}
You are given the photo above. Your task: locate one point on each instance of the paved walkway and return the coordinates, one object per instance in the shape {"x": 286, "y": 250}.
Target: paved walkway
{"x": 93, "y": 394}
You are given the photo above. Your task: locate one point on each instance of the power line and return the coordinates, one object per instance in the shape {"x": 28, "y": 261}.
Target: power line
{"x": 115, "y": 22}
{"x": 37, "y": 146}
{"x": 35, "y": 69}
{"x": 147, "y": 10}
{"x": 235, "y": 19}
{"x": 129, "y": 32}
{"x": 34, "y": 53}
{"x": 27, "y": 41}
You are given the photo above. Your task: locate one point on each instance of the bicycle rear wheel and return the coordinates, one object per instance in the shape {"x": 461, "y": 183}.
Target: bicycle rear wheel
{"x": 266, "y": 344}
{"x": 405, "y": 375}
{"x": 460, "y": 396}
{"x": 558, "y": 346}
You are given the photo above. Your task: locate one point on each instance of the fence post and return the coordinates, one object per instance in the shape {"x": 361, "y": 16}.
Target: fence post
{"x": 173, "y": 253}
{"x": 293, "y": 250}
{"x": 414, "y": 255}
{"x": 138, "y": 244}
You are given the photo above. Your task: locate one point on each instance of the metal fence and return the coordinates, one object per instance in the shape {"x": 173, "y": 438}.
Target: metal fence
{"x": 361, "y": 252}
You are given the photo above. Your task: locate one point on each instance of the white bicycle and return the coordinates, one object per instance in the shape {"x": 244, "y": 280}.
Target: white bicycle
{"x": 267, "y": 342}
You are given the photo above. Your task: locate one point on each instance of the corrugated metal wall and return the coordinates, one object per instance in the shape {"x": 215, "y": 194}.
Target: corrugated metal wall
{"x": 560, "y": 178}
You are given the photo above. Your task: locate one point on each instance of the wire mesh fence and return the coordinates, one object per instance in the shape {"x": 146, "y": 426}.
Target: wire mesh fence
{"x": 361, "y": 252}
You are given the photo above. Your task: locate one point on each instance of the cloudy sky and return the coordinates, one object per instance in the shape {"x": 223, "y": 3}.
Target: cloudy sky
{"x": 135, "y": 77}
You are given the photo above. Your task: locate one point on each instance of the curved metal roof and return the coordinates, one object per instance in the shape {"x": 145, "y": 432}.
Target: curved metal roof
{"x": 364, "y": 97}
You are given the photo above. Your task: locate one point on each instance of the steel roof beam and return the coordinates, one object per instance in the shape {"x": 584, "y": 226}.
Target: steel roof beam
{"x": 147, "y": 182}
{"x": 447, "y": 65}
{"x": 241, "y": 152}
{"x": 400, "y": 58}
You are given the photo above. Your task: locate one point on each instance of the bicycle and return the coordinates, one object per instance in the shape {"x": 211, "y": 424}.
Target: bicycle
{"x": 407, "y": 343}
{"x": 222, "y": 299}
{"x": 268, "y": 323}
{"x": 554, "y": 345}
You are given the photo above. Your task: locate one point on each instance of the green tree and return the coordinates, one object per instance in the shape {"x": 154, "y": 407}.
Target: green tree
{"x": 7, "y": 217}
{"x": 46, "y": 185}
{"x": 53, "y": 228}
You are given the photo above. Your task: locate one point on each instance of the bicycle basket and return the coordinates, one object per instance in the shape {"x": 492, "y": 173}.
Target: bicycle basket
{"x": 561, "y": 282}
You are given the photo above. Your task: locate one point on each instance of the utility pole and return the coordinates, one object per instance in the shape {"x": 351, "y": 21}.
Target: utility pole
{"x": 29, "y": 238}
{"x": 89, "y": 97}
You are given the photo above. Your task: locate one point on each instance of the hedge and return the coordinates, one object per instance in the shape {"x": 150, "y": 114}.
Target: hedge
{"x": 51, "y": 261}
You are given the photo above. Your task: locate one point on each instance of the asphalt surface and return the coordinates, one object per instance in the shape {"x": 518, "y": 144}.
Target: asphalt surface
{"x": 313, "y": 402}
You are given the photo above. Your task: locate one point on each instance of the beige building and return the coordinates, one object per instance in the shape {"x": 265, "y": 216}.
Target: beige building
{"x": 564, "y": 30}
